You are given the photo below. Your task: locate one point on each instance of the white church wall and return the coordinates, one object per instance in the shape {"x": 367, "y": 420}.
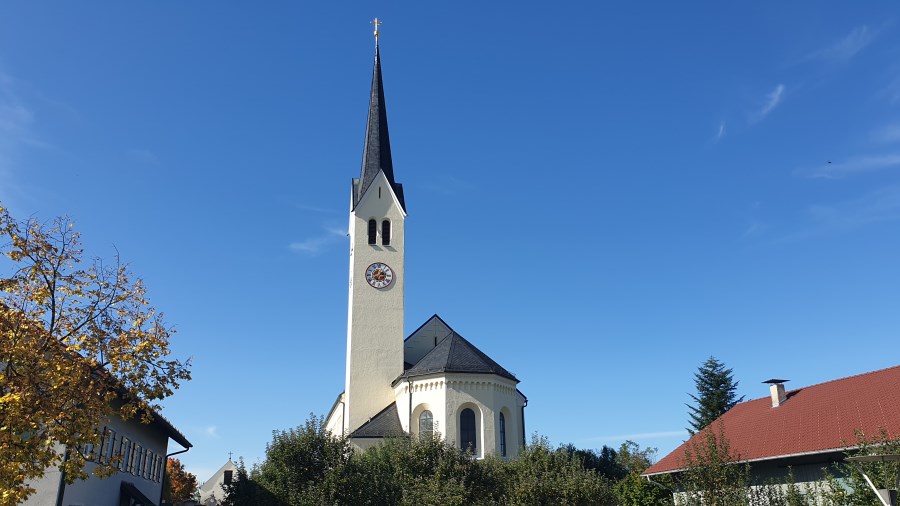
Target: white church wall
{"x": 447, "y": 395}
{"x": 334, "y": 424}
{"x": 375, "y": 316}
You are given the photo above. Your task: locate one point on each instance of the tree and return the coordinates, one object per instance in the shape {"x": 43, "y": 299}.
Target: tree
{"x": 79, "y": 344}
{"x": 632, "y": 489}
{"x": 853, "y": 490}
{"x": 180, "y": 485}
{"x": 299, "y": 460}
{"x": 712, "y": 476}
{"x": 716, "y": 394}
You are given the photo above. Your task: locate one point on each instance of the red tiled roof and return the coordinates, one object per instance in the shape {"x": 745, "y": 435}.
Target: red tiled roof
{"x": 813, "y": 419}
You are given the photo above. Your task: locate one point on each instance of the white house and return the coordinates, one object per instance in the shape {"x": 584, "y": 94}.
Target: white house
{"x": 803, "y": 431}
{"x": 434, "y": 381}
{"x": 211, "y": 492}
{"x": 142, "y": 450}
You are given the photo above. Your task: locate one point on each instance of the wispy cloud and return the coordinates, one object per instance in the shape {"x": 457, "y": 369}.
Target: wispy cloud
{"x": 852, "y": 166}
{"x": 720, "y": 133}
{"x": 877, "y": 206}
{"x": 847, "y": 47}
{"x": 888, "y": 134}
{"x": 17, "y": 121}
{"x": 315, "y": 245}
{"x": 640, "y": 436}
{"x": 772, "y": 100}
{"x": 212, "y": 431}
{"x": 891, "y": 92}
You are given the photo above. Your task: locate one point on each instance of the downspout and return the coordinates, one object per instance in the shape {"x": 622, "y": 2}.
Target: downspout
{"x": 162, "y": 489}
{"x": 62, "y": 481}
{"x": 409, "y": 386}
{"x": 523, "y": 422}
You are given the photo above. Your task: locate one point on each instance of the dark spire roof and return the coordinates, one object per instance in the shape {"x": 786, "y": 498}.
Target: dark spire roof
{"x": 455, "y": 354}
{"x": 377, "y": 150}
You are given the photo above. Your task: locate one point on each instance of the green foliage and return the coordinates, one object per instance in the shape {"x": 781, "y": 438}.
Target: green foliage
{"x": 543, "y": 476}
{"x": 299, "y": 459}
{"x": 605, "y": 462}
{"x": 852, "y": 490}
{"x": 716, "y": 394}
{"x": 632, "y": 489}
{"x": 245, "y": 490}
{"x": 308, "y": 466}
{"x": 713, "y": 477}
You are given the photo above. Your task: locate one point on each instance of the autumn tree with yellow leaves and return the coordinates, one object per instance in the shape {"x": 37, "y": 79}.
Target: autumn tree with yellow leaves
{"x": 79, "y": 344}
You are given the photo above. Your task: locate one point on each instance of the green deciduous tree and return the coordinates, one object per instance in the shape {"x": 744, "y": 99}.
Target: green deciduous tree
{"x": 79, "y": 344}
{"x": 632, "y": 489}
{"x": 716, "y": 394}
{"x": 713, "y": 476}
{"x": 853, "y": 491}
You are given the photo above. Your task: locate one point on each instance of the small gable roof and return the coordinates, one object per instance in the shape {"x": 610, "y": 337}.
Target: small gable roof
{"x": 385, "y": 424}
{"x": 455, "y": 354}
{"x": 820, "y": 418}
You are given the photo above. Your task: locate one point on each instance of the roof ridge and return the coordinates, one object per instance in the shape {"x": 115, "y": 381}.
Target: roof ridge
{"x": 766, "y": 397}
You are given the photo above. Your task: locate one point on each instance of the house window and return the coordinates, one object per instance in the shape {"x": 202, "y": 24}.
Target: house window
{"x": 107, "y": 447}
{"x": 502, "y": 435}
{"x": 148, "y": 465}
{"x": 373, "y": 228}
{"x": 426, "y": 425}
{"x": 467, "y": 431}
{"x": 386, "y": 233}
{"x": 125, "y": 454}
{"x": 227, "y": 477}
{"x": 136, "y": 454}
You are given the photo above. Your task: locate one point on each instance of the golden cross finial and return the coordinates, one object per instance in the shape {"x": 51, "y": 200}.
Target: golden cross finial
{"x": 376, "y": 23}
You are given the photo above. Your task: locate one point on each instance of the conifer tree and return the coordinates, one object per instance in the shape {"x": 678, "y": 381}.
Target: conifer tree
{"x": 716, "y": 394}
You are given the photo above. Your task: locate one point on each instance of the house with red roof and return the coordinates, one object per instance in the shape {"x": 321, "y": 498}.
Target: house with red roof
{"x": 806, "y": 429}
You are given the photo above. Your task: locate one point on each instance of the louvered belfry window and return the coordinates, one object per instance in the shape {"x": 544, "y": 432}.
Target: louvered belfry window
{"x": 386, "y": 233}
{"x": 373, "y": 228}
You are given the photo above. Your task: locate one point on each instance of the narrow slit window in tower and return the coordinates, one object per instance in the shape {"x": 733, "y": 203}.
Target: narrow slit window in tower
{"x": 373, "y": 227}
{"x": 386, "y": 233}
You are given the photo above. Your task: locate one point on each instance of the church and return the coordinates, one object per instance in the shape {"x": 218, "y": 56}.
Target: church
{"x": 433, "y": 382}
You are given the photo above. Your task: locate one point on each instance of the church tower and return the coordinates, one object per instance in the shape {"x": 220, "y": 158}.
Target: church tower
{"x": 375, "y": 309}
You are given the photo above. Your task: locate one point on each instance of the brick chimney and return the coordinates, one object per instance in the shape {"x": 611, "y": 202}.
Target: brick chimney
{"x": 776, "y": 390}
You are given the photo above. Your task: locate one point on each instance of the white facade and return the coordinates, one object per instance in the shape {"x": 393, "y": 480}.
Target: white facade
{"x": 434, "y": 378}
{"x": 212, "y": 491}
{"x": 374, "y": 315}
{"x": 141, "y": 450}
{"x": 446, "y": 396}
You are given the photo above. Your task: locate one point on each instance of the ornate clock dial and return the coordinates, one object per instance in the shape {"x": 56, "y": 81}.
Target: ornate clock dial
{"x": 379, "y": 275}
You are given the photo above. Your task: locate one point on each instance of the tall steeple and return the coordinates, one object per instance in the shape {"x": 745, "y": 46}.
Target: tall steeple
{"x": 375, "y": 302}
{"x": 377, "y": 150}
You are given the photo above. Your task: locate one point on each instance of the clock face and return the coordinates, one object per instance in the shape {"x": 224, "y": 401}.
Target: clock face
{"x": 379, "y": 275}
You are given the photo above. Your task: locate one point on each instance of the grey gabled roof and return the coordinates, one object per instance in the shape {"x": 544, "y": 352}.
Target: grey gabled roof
{"x": 385, "y": 424}
{"x": 377, "y": 150}
{"x": 455, "y": 354}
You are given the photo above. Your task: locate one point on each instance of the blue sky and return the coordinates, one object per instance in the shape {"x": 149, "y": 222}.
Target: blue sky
{"x": 600, "y": 195}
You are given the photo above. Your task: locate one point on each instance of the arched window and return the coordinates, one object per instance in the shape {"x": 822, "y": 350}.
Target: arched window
{"x": 373, "y": 227}
{"x": 426, "y": 425}
{"x": 386, "y": 233}
{"x": 502, "y": 435}
{"x": 467, "y": 431}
